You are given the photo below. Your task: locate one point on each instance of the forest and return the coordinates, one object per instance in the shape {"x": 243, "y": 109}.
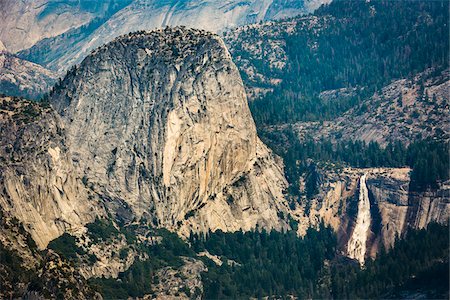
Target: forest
{"x": 362, "y": 45}
{"x": 428, "y": 159}
{"x": 258, "y": 264}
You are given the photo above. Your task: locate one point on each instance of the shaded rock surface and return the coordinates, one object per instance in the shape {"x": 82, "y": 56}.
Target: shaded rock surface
{"x": 39, "y": 185}
{"x": 71, "y": 39}
{"x": 26, "y": 22}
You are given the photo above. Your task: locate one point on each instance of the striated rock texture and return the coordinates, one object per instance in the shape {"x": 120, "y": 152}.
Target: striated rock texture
{"x": 39, "y": 186}
{"x": 158, "y": 122}
{"x": 393, "y": 208}
{"x": 19, "y": 77}
{"x": 103, "y": 21}
{"x": 28, "y": 21}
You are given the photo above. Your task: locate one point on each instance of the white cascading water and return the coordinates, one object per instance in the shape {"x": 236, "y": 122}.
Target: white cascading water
{"x": 356, "y": 247}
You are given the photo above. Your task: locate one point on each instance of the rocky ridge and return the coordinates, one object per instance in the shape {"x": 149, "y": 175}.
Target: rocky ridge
{"x": 259, "y": 50}
{"x": 24, "y": 23}
{"x": 100, "y": 25}
{"x": 405, "y": 110}
{"x": 394, "y": 209}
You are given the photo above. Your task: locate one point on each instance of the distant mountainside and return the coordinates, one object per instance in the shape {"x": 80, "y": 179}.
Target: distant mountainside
{"x": 19, "y": 77}
{"x": 58, "y": 44}
{"x": 358, "y": 87}
{"x": 357, "y": 46}
{"x": 403, "y": 111}
{"x": 24, "y": 23}
{"x": 142, "y": 175}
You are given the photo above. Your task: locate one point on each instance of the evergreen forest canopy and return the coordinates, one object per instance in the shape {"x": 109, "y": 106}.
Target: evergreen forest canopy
{"x": 366, "y": 45}
{"x": 363, "y": 45}
{"x": 260, "y": 263}
{"x": 428, "y": 159}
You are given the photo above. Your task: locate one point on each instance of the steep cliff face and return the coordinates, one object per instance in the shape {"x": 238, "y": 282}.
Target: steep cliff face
{"x": 40, "y": 187}
{"x": 393, "y": 209}
{"x": 158, "y": 121}
{"x": 26, "y": 22}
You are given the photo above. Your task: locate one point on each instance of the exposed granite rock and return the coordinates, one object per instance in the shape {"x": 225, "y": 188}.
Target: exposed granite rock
{"x": 433, "y": 206}
{"x": 259, "y": 50}
{"x": 112, "y": 256}
{"x": 2, "y": 47}
{"x": 39, "y": 185}
{"x": 19, "y": 77}
{"x": 394, "y": 209}
{"x": 184, "y": 283}
{"x": 61, "y": 280}
{"x": 405, "y": 110}
{"x": 159, "y": 121}
{"x": 26, "y": 22}
{"x": 103, "y": 21}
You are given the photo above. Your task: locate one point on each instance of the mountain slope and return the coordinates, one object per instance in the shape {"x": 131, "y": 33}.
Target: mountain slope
{"x": 153, "y": 132}
{"x": 403, "y": 111}
{"x": 70, "y": 48}
{"x": 356, "y": 45}
{"x": 19, "y": 77}
{"x": 24, "y": 23}
{"x": 40, "y": 187}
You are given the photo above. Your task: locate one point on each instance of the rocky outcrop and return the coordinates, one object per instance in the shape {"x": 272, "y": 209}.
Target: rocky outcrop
{"x": 2, "y": 47}
{"x": 259, "y": 50}
{"x": 433, "y": 206}
{"x": 393, "y": 207}
{"x": 39, "y": 186}
{"x": 22, "y": 78}
{"x": 158, "y": 122}
{"x": 183, "y": 283}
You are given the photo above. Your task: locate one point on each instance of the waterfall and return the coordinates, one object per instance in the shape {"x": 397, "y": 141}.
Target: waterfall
{"x": 356, "y": 247}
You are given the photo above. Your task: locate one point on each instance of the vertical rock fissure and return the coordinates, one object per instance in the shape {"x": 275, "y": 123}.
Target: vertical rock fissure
{"x": 356, "y": 247}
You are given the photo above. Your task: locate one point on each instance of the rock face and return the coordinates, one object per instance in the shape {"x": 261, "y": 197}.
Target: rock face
{"x": 393, "y": 208}
{"x": 40, "y": 187}
{"x": 2, "y": 47}
{"x": 259, "y": 50}
{"x": 158, "y": 121}
{"x": 26, "y": 22}
{"x": 102, "y": 23}
{"x": 19, "y": 77}
{"x": 403, "y": 111}
{"x": 174, "y": 283}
